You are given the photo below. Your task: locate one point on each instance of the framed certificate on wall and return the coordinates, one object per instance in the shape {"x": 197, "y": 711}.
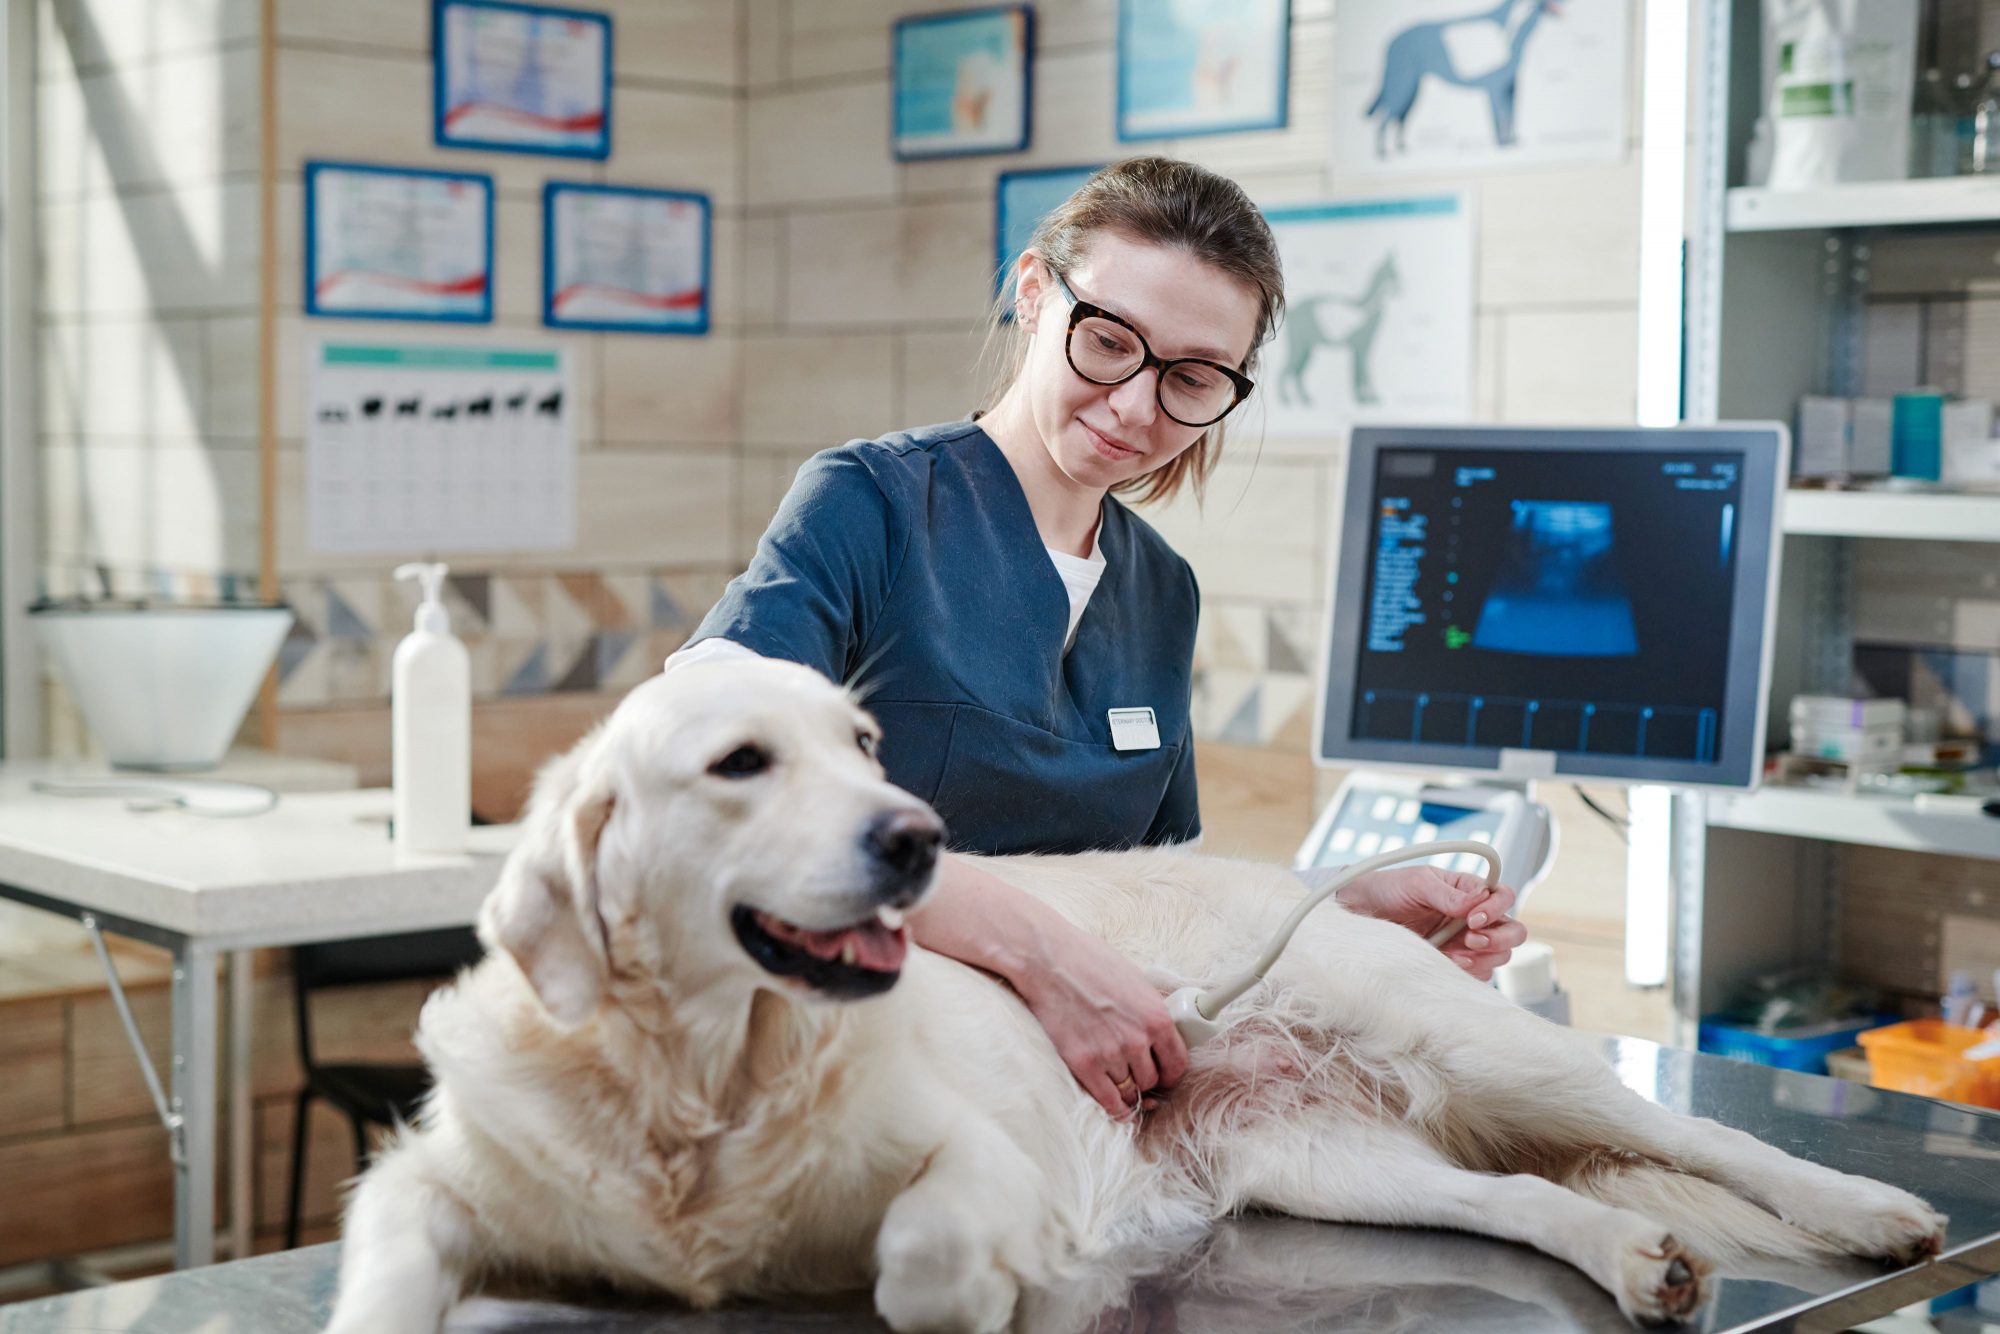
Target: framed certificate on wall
{"x": 397, "y": 243}
{"x": 521, "y": 78}
{"x": 1189, "y": 67}
{"x": 962, "y": 82}
{"x": 1021, "y": 199}
{"x": 625, "y": 259}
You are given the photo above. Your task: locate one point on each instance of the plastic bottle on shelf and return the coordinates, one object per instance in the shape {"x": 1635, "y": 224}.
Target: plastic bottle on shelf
{"x": 1959, "y": 998}
{"x": 1986, "y": 120}
{"x": 430, "y": 705}
{"x": 1966, "y": 92}
{"x": 1933, "y": 127}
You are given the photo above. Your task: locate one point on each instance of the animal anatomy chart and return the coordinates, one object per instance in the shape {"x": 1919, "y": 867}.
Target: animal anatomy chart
{"x": 429, "y": 448}
{"x": 1378, "y": 315}
{"x": 1444, "y": 85}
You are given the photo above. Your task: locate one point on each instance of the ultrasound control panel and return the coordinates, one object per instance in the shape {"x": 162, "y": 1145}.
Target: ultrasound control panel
{"x": 1375, "y": 813}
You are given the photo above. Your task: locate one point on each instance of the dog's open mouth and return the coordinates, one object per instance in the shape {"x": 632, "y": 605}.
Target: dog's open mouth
{"x": 847, "y": 963}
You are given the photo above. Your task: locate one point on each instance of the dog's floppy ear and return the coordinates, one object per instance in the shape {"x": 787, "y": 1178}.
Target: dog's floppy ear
{"x": 544, "y": 912}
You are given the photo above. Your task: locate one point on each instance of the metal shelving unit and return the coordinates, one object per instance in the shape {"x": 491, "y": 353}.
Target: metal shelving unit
{"x": 1925, "y": 203}
{"x": 1911, "y": 515}
{"x": 1838, "y": 817}
{"x": 1776, "y": 283}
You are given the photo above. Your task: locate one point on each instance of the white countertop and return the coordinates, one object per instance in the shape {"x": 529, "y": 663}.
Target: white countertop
{"x": 243, "y": 764}
{"x": 317, "y": 867}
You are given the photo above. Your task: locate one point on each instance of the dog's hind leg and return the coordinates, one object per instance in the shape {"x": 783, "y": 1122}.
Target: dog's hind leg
{"x": 1854, "y": 1214}
{"x": 1549, "y": 1091}
{"x": 404, "y": 1246}
{"x": 1363, "y": 1172}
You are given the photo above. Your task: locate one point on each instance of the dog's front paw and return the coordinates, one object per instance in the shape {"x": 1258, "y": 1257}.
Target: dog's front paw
{"x": 1882, "y": 1223}
{"x": 1661, "y": 1282}
{"x": 941, "y": 1282}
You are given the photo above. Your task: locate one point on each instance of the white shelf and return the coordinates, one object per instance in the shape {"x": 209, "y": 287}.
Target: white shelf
{"x": 1920, "y": 515}
{"x": 1946, "y": 199}
{"x": 1881, "y": 822}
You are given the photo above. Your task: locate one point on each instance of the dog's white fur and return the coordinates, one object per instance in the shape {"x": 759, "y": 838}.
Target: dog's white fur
{"x": 624, "y": 1095}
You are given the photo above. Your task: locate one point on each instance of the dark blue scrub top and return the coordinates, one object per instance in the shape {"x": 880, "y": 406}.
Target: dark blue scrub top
{"x": 910, "y": 567}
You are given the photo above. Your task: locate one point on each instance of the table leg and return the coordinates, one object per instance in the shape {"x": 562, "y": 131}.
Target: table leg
{"x": 194, "y": 1100}
{"x": 242, "y": 1125}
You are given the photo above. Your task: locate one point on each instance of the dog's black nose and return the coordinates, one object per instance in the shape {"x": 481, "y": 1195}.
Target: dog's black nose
{"x": 906, "y": 842}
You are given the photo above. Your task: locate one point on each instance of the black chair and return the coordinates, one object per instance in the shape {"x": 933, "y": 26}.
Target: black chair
{"x": 369, "y": 1093}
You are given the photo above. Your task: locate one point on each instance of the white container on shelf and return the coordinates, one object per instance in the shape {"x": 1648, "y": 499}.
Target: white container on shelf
{"x": 1972, "y": 462}
{"x": 1872, "y": 434}
{"x": 1824, "y": 442}
{"x": 1839, "y": 79}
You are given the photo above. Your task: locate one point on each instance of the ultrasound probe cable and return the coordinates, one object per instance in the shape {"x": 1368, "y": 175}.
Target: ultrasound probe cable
{"x": 1194, "y": 1011}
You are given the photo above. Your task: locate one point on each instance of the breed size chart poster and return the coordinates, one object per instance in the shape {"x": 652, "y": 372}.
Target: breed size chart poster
{"x": 431, "y": 448}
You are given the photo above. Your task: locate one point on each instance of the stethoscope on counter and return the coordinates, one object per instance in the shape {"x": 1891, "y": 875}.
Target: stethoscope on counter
{"x": 1196, "y": 1012}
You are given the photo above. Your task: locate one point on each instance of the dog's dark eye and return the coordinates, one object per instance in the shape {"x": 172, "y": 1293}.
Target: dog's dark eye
{"x": 866, "y": 740}
{"x": 743, "y": 762}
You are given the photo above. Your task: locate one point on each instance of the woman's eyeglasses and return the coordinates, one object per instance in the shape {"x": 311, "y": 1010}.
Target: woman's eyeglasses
{"x": 1104, "y": 349}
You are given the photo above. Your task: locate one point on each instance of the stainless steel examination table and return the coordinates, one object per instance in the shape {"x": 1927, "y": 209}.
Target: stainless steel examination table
{"x": 1268, "y": 1273}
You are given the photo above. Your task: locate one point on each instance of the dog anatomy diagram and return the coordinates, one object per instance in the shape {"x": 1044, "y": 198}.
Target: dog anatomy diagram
{"x": 1421, "y": 85}
{"x": 1378, "y": 318}
{"x": 1324, "y": 320}
{"x": 1482, "y": 51}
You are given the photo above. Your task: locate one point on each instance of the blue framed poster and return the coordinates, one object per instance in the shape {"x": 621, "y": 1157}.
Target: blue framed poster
{"x": 625, "y": 259}
{"x": 398, "y": 243}
{"x": 1188, "y": 67}
{"x": 1021, "y": 199}
{"x": 521, "y": 78}
{"x": 962, "y": 82}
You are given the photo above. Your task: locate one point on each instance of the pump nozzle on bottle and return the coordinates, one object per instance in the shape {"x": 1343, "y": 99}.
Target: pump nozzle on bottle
{"x": 1196, "y": 1012}
{"x": 431, "y": 615}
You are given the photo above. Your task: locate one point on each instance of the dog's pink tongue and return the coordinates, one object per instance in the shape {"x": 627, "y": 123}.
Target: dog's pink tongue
{"x": 875, "y": 945}
{"x": 879, "y": 948}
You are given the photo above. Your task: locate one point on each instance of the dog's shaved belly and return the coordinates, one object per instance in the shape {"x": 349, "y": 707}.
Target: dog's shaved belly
{"x": 1260, "y": 1070}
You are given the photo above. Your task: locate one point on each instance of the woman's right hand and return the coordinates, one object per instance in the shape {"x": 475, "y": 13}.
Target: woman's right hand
{"x": 1108, "y": 1022}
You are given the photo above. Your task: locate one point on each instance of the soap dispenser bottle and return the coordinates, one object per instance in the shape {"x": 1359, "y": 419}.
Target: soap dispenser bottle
{"x": 431, "y": 725}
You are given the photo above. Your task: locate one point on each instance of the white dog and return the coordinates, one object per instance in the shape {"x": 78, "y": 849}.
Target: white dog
{"x": 665, "y": 1074}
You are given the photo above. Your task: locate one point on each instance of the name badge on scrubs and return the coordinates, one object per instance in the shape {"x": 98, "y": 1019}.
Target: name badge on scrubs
{"x": 1134, "y": 729}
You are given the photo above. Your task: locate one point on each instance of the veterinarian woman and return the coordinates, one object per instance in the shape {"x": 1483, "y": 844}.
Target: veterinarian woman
{"x": 1026, "y": 641}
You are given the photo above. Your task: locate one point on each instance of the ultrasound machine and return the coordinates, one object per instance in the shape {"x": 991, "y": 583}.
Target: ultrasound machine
{"x": 1513, "y": 606}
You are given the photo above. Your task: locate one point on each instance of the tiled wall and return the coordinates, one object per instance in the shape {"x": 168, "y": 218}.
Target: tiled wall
{"x": 147, "y": 222}
{"x": 657, "y": 422}
{"x": 877, "y": 275}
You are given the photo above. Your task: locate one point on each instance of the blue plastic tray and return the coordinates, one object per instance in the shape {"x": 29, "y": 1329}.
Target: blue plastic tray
{"x": 1800, "y": 1049}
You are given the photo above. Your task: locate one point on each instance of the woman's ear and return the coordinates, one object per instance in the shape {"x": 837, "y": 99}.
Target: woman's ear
{"x": 1031, "y": 284}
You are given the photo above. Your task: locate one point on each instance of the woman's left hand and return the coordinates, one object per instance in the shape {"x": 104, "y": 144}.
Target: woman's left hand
{"x": 1424, "y": 898}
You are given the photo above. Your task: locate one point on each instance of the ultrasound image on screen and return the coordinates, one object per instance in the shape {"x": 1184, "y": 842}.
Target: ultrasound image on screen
{"x": 1559, "y": 589}
{"x": 1574, "y": 600}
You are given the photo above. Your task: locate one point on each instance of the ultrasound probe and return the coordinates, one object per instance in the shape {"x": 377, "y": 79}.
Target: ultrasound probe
{"x": 1195, "y": 1011}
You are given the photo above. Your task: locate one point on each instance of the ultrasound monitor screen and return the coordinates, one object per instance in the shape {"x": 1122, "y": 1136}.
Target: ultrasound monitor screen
{"x": 1581, "y": 603}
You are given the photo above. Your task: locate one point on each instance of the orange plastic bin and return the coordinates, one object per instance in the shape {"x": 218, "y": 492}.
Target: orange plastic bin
{"x": 1927, "y": 1056}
